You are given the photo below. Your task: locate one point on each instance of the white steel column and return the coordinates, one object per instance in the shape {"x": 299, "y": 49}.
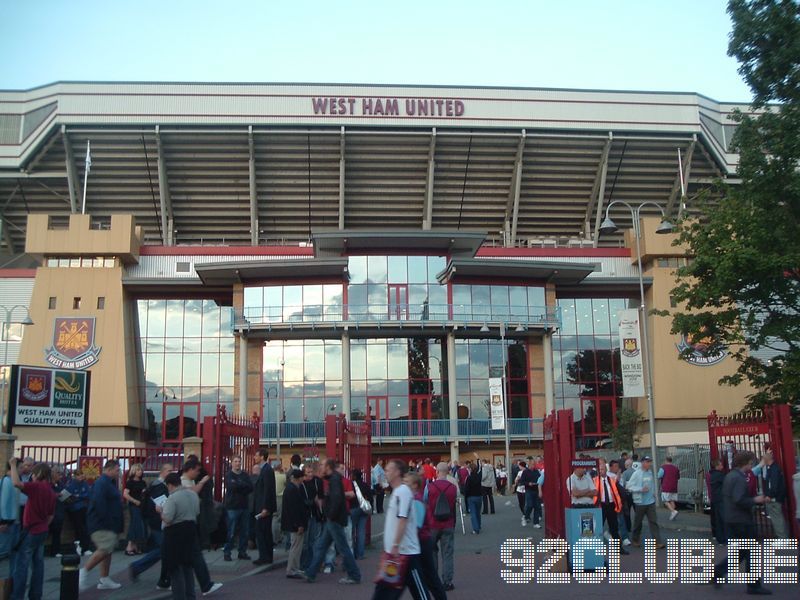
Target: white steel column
{"x": 342, "y": 173}
{"x": 253, "y": 188}
{"x": 242, "y": 374}
{"x": 547, "y": 350}
{"x": 346, "y": 374}
{"x": 72, "y": 173}
{"x": 452, "y": 399}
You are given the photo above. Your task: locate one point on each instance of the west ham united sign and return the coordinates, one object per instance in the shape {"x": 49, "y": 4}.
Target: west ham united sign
{"x": 49, "y": 397}
{"x": 73, "y": 343}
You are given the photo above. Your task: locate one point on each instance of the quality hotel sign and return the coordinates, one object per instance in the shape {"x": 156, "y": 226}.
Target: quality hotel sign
{"x": 49, "y": 397}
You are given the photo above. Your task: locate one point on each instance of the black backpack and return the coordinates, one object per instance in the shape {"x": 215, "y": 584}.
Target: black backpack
{"x": 441, "y": 510}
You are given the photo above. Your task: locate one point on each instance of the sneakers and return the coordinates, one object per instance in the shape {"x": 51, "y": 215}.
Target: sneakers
{"x": 524, "y": 522}
{"x": 348, "y": 581}
{"x": 626, "y": 542}
{"x": 328, "y": 569}
{"x": 87, "y": 552}
{"x": 106, "y": 583}
{"x": 163, "y": 585}
{"x": 673, "y": 514}
{"x": 661, "y": 546}
{"x": 214, "y": 587}
{"x": 537, "y": 526}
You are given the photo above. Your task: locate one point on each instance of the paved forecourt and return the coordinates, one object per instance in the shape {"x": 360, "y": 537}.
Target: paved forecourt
{"x": 478, "y": 568}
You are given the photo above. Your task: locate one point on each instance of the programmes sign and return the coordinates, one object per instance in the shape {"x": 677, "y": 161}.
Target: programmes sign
{"x": 49, "y": 397}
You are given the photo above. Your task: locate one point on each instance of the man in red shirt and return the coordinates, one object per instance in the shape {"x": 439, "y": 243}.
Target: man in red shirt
{"x": 442, "y": 530}
{"x": 428, "y": 470}
{"x": 36, "y": 519}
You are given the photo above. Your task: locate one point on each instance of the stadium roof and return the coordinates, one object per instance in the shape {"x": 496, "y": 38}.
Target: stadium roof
{"x": 242, "y": 164}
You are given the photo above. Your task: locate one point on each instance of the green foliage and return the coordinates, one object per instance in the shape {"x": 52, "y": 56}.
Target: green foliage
{"x": 743, "y": 287}
{"x": 623, "y": 436}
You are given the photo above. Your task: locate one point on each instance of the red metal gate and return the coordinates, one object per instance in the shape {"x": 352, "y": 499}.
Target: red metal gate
{"x": 758, "y": 432}
{"x": 559, "y": 450}
{"x": 224, "y": 437}
{"x": 350, "y": 443}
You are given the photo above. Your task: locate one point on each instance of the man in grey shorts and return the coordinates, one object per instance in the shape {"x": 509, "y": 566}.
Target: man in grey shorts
{"x": 105, "y": 523}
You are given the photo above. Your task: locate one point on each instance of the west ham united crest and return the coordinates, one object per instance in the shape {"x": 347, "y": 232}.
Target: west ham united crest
{"x": 630, "y": 347}
{"x": 698, "y": 353}
{"x": 73, "y": 343}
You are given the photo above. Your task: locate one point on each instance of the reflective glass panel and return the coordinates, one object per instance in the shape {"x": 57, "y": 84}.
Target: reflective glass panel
{"x": 398, "y": 269}
{"x": 417, "y": 269}
{"x": 357, "y": 268}
{"x": 376, "y": 269}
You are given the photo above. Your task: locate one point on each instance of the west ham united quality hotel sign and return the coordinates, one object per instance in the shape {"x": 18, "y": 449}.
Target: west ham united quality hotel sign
{"x": 49, "y": 397}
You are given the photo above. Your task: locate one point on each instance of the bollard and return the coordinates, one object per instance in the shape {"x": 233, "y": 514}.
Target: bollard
{"x": 70, "y": 565}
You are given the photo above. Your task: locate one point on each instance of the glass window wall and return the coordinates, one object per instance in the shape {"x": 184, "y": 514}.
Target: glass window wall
{"x": 586, "y": 363}
{"x": 187, "y": 357}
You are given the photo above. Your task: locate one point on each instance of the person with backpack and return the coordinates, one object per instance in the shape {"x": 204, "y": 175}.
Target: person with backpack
{"x": 441, "y": 504}
{"x": 430, "y": 578}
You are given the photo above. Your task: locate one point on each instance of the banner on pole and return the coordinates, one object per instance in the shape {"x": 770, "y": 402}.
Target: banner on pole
{"x": 630, "y": 344}
{"x": 496, "y": 402}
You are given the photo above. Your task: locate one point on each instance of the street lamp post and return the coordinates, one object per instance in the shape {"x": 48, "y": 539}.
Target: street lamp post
{"x": 506, "y": 399}
{"x": 280, "y": 413}
{"x": 6, "y": 322}
{"x": 665, "y": 226}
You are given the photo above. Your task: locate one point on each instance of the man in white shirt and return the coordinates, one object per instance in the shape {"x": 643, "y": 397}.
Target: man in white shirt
{"x": 580, "y": 486}
{"x": 400, "y": 534}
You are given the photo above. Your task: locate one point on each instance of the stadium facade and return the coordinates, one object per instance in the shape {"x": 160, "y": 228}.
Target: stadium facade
{"x": 301, "y": 250}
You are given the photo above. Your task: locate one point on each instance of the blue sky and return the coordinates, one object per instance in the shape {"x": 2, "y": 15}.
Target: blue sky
{"x": 675, "y": 45}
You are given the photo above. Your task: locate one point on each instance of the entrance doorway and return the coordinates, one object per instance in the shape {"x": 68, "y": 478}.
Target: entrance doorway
{"x": 398, "y": 301}
{"x": 378, "y": 409}
{"x": 180, "y": 420}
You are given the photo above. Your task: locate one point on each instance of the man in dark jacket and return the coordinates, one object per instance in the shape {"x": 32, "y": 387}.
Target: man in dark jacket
{"x": 265, "y": 503}
{"x": 105, "y": 522}
{"x": 715, "y": 479}
{"x": 336, "y": 514}
{"x": 738, "y": 514}
{"x": 294, "y": 520}
{"x": 151, "y": 512}
{"x": 775, "y": 490}
{"x": 237, "y": 488}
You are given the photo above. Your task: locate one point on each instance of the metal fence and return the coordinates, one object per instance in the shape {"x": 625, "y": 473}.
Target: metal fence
{"x": 693, "y": 460}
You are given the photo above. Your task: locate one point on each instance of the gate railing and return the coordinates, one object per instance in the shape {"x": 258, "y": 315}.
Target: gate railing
{"x": 559, "y": 450}
{"x": 770, "y": 429}
{"x": 226, "y": 436}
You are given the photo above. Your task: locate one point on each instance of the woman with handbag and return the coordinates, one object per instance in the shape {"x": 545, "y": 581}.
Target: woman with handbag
{"x": 358, "y": 514}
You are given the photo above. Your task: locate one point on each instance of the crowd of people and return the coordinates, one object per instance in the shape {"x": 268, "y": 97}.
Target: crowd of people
{"x": 165, "y": 523}
{"x": 319, "y": 513}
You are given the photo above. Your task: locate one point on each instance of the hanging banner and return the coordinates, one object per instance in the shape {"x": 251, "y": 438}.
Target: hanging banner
{"x": 630, "y": 344}
{"x": 496, "y": 403}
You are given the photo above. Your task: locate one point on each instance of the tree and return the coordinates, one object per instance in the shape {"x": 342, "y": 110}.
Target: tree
{"x": 741, "y": 292}
{"x": 623, "y": 436}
